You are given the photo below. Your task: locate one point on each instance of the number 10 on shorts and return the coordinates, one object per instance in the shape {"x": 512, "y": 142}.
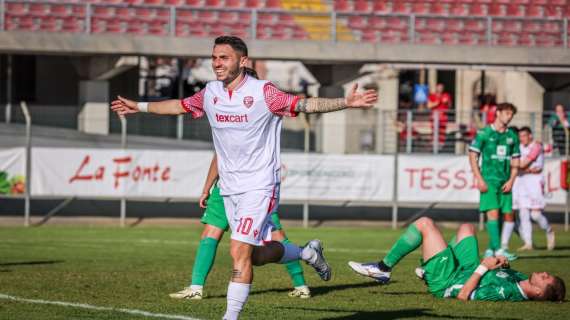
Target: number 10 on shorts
{"x": 244, "y": 226}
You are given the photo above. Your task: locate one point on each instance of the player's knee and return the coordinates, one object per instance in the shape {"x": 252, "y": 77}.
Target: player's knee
{"x": 239, "y": 254}
{"x": 493, "y": 215}
{"x": 465, "y": 230}
{"x": 424, "y": 222}
{"x": 509, "y": 217}
{"x": 535, "y": 215}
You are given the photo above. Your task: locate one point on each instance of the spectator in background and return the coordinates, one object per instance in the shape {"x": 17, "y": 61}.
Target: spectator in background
{"x": 488, "y": 109}
{"x": 439, "y": 102}
{"x": 558, "y": 121}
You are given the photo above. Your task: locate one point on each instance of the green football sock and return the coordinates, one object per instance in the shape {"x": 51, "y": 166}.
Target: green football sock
{"x": 494, "y": 234}
{"x": 295, "y": 271}
{"x": 408, "y": 242}
{"x": 204, "y": 260}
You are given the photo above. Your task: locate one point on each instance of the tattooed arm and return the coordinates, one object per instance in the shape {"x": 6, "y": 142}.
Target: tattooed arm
{"x": 365, "y": 99}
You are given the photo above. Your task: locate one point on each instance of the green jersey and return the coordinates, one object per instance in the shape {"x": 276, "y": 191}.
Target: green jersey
{"x": 496, "y": 285}
{"x": 496, "y": 150}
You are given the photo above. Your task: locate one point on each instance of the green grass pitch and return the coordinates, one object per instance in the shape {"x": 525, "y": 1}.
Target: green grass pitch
{"x": 136, "y": 268}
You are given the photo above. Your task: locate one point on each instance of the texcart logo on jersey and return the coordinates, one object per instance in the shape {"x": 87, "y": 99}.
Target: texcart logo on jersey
{"x": 248, "y": 101}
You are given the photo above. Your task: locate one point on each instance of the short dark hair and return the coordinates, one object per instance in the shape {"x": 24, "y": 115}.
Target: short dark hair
{"x": 507, "y": 106}
{"x": 556, "y": 291}
{"x": 236, "y": 43}
{"x": 525, "y": 129}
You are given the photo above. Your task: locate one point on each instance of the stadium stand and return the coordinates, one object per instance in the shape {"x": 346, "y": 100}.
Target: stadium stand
{"x": 529, "y": 23}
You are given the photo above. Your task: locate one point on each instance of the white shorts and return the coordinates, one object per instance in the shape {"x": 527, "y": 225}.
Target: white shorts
{"x": 528, "y": 192}
{"x": 249, "y": 216}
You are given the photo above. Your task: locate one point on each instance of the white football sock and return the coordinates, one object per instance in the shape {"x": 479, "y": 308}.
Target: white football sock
{"x": 508, "y": 228}
{"x": 525, "y": 227}
{"x": 237, "y": 296}
{"x": 291, "y": 252}
{"x": 539, "y": 218}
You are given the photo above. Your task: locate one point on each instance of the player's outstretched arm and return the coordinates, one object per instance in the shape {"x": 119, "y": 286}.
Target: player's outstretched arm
{"x": 123, "y": 106}
{"x": 354, "y": 99}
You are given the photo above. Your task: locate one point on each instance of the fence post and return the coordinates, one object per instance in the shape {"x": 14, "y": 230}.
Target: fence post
{"x": 2, "y": 14}
{"x": 28, "y": 194}
{"x": 565, "y": 32}
{"x": 435, "y": 132}
{"x": 172, "y": 22}
{"x": 88, "y": 18}
{"x": 123, "y": 209}
{"x": 306, "y": 146}
{"x": 409, "y": 131}
{"x": 8, "y": 114}
{"x": 489, "y": 30}
{"x": 412, "y": 28}
{"x": 253, "y": 24}
{"x": 395, "y": 193}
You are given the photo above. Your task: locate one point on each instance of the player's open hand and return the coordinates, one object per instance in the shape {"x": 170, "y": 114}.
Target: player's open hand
{"x": 481, "y": 185}
{"x": 124, "y": 106}
{"x": 203, "y": 202}
{"x": 364, "y": 99}
{"x": 508, "y": 186}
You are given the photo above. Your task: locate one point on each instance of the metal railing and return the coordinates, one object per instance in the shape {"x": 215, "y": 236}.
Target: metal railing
{"x": 336, "y": 26}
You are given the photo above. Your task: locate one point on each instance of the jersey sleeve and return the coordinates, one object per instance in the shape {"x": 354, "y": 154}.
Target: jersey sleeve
{"x": 507, "y": 292}
{"x": 534, "y": 152}
{"x": 478, "y": 142}
{"x": 279, "y": 102}
{"x": 194, "y": 104}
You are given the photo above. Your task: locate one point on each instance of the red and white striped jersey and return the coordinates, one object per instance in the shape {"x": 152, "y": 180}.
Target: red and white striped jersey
{"x": 246, "y": 129}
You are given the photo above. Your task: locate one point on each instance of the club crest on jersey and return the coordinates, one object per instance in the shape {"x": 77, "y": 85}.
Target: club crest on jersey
{"x": 215, "y": 100}
{"x": 248, "y": 101}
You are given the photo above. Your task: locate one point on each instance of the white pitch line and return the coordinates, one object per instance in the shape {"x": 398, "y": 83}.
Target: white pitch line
{"x": 92, "y": 307}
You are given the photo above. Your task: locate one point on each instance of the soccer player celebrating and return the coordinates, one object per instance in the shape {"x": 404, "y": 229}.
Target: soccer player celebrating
{"x": 215, "y": 224}
{"x": 499, "y": 147}
{"x": 453, "y": 270}
{"x": 245, "y": 115}
{"x": 528, "y": 193}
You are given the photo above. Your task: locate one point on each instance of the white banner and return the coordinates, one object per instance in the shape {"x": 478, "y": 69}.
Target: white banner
{"x": 12, "y": 171}
{"x": 152, "y": 174}
{"x": 181, "y": 174}
{"x": 117, "y": 173}
{"x": 337, "y": 177}
{"x": 423, "y": 178}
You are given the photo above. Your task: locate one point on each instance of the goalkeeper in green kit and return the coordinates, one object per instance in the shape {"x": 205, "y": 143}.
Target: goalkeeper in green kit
{"x": 498, "y": 146}
{"x": 215, "y": 224}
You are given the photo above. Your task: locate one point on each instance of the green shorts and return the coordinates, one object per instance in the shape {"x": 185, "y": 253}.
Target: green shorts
{"x": 494, "y": 198}
{"x": 215, "y": 214}
{"x": 447, "y": 267}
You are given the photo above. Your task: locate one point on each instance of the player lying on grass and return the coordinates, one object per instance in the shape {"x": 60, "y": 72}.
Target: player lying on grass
{"x": 453, "y": 270}
{"x": 215, "y": 225}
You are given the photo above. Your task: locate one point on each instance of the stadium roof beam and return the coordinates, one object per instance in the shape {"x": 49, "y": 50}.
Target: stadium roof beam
{"x": 307, "y": 51}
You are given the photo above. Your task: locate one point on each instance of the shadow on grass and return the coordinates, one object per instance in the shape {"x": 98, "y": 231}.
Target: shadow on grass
{"x": 30, "y": 263}
{"x": 565, "y": 256}
{"x": 316, "y": 291}
{"x": 389, "y": 314}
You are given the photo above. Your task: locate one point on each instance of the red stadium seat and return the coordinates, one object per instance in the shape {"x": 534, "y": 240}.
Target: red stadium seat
{"x": 244, "y": 17}
{"x": 369, "y": 35}
{"x": 397, "y": 23}
{"x": 78, "y": 11}
{"x": 427, "y": 38}
{"x": 207, "y": 16}
{"x": 49, "y": 24}
{"x": 273, "y": 4}
{"x": 60, "y": 10}
{"x": 435, "y": 24}
{"x": 157, "y": 28}
{"x": 145, "y": 14}
{"x": 449, "y": 38}
{"x": 102, "y": 12}
{"x": 531, "y": 26}
{"x": 193, "y": 3}
{"x": 233, "y": 4}
{"x": 437, "y": 8}
{"x": 401, "y": 7}
{"x": 266, "y": 18}
{"x": 475, "y": 25}
{"x": 173, "y": 2}
{"x": 357, "y": 22}
{"x": 478, "y": 10}
{"x": 526, "y": 39}
{"x": 377, "y": 22}
{"x": 72, "y": 24}
{"x": 458, "y": 9}
{"x": 287, "y": 20}
{"x": 16, "y": 8}
{"x": 361, "y": 6}
{"x": 380, "y": 7}
{"x": 162, "y": 15}
{"x": 512, "y": 26}
{"x": 514, "y": 10}
{"x": 153, "y": 2}
{"x": 497, "y": 10}
{"x": 534, "y": 11}
{"x": 38, "y": 9}
{"x": 228, "y": 17}
{"x": 114, "y": 26}
{"x": 213, "y": 3}
{"x": 454, "y": 25}
{"x": 552, "y": 27}
{"x": 125, "y": 13}
{"x": 506, "y": 39}
{"x": 555, "y": 12}
{"x": 136, "y": 27}
{"x": 420, "y": 8}
{"x": 252, "y": 3}
{"x": 342, "y": 6}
